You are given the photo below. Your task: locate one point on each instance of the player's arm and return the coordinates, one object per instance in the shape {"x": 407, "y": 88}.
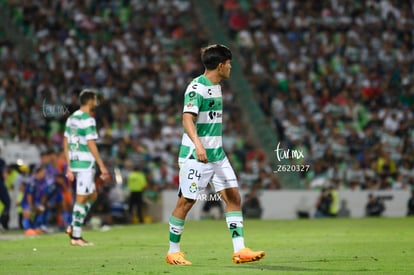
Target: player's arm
{"x": 95, "y": 153}
{"x": 69, "y": 173}
{"x": 190, "y": 128}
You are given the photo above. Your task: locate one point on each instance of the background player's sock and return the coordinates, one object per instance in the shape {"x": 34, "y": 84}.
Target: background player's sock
{"x": 40, "y": 220}
{"x": 26, "y": 224}
{"x": 67, "y": 217}
{"x": 176, "y": 229}
{"x": 47, "y": 215}
{"x": 234, "y": 221}
{"x": 78, "y": 216}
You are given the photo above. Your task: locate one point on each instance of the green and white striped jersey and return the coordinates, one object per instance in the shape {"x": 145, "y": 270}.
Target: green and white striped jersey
{"x": 80, "y": 127}
{"x": 204, "y": 99}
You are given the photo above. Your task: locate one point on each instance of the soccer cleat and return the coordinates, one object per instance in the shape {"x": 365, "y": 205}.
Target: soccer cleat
{"x": 30, "y": 232}
{"x": 68, "y": 231}
{"x": 246, "y": 255}
{"x": 38, "y": 231}
{"x": 46, "y": 229}
{"x": 80, "y": 242}
{"x": 177, "y": 258}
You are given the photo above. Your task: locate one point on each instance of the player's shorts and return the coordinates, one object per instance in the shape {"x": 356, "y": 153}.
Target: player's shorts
{"x": 195, "y": 175}
{"x": 85, "y": 182}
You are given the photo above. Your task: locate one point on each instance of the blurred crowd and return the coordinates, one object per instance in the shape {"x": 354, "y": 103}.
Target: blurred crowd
{"x": 335, "y": 80}
{"x": 140, "y": 66}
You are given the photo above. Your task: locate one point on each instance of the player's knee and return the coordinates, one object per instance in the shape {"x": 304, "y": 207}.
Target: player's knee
{"x": 93, "y": 196}
{"x": 186, "y": 204}
{"x": 82, "y": 199}
{"x": 233, "y": 200}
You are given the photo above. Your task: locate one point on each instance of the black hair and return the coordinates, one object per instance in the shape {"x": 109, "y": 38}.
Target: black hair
{"x": 86, "y": 95}
{"x": 213, "y": 55}
{"x": 38, "y": 168}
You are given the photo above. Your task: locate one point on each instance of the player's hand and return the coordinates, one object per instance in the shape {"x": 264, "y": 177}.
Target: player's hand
{"x": 69, "y": 175}
{"x": 40, "y": 208}
{"x": 201, "y": 153}
{"x": 104, "y": 174}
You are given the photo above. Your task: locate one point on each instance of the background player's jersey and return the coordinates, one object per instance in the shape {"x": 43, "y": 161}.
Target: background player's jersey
{"x": 51, "y": 172}
{"x": 204, "y": 99}
{"x": 80, "y": 127}
{"x": 36, "y": 188}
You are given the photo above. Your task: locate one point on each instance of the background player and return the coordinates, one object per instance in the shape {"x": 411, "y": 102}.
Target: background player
{"x": 201, "y": 156}
{"x": 33, "y": 202}
{"x": 81, "y": 153}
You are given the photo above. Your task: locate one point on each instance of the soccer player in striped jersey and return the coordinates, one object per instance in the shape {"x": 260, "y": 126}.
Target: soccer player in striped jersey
{"x": 202, "y": 159}
{"x": 81, "y": 153}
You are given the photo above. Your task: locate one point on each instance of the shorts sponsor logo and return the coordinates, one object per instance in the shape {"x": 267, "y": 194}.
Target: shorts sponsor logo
{"x": 193, "y": 187}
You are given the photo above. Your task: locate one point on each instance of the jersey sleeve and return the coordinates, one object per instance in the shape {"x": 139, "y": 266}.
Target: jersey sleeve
{"x": 66, "y": 133}
{"x": 90, "y": 129}
{"x": 193, "y": 98}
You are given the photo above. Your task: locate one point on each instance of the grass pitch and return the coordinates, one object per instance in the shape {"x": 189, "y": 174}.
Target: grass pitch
{"x": 327, "y": 246}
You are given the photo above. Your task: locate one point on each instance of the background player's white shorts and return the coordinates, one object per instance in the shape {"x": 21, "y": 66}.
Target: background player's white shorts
{"x": 195, "y": 175}
{"x": 85, "y": 182}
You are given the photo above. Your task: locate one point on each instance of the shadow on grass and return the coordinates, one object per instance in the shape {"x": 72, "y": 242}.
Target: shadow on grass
{"x": 333, "y": 260}
{"x": 280, "y": 266}
{"x": 267, "y": 267}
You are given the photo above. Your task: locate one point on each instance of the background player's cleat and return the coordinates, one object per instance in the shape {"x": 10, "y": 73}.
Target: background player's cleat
{"x": 177, "y": 258}
{"x": 68, "y": 231}
{"x": 30, "y": 232}
{"x": 46, "y": 229}
{"x": 39, "y": 231}
{"x": 80, "y": 242}
{"x": 246, "y": 255}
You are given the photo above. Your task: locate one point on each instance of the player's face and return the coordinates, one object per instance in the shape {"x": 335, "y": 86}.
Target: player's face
{"x": 224, "y": 69}
{"x": 41, "y": 174}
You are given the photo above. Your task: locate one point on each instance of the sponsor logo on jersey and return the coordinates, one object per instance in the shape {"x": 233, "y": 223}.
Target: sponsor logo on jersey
{"x": 212, "y": 114}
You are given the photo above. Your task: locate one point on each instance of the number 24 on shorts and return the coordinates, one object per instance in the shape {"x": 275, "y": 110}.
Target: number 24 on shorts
{"x": 193, "y": 173}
